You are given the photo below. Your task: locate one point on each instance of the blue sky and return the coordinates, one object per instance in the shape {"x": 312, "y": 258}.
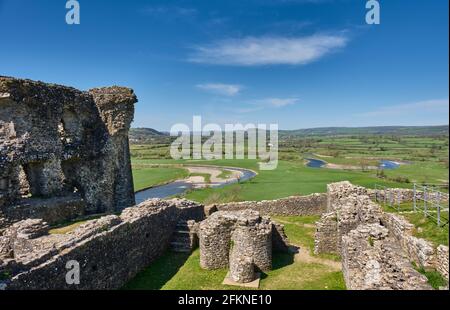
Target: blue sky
{"x": 298, "y": 63}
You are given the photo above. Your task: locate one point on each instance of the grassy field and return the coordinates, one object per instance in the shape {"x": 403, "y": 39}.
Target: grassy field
{"x": 175, "y": 271}
{"x": 145, "y": 177}
{"x": 290, "y": 178}
{"x": 426, "y": 158}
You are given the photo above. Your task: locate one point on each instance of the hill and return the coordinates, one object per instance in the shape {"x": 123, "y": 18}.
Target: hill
{"x": 141, "y": 135}
{"x": 384, "y": 130}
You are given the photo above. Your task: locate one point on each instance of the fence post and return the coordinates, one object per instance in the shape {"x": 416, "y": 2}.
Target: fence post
{"x": 414, "y": 197}
{"x": 439, "y": 215}
{"x": 425, "y": 197}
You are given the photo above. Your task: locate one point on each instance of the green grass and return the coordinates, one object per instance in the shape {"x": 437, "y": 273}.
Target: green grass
{"x": 290, "y": 178}
{"x": 420, "y": 172}
{"x": 225, "y": 174}
{"x": 395, "y": 208}
{"x": 435, "y": 279}
{"x": 427, "y": 228}
{"x": 175, "y": 271}
{"x": 300, "y": 229}
{"x": 152, "y": 176}
{"x": 69, "y": 226}
{"x": 427, "y": 157}
{"x": 233, "y": 194}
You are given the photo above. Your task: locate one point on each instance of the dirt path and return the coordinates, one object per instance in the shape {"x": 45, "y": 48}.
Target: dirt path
{"x": 304, "y": 256}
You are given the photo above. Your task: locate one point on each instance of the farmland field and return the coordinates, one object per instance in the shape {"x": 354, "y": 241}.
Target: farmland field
{"x": 424, "y": 160}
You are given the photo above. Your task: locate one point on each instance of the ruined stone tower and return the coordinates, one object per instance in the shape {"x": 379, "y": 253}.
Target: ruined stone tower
{"x": 65, "y": 147}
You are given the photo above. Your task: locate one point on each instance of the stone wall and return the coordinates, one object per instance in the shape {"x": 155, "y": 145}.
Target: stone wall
{"x": 339, "y": 190}
{"x": 370, "y": 261}
{"x": 442, "y": 260}
{"x": 56, "y": 140}
{"x": 110, "y": 250}
{"x": 251, "y": 247}
{"x": 314, "y": 204}
{"x": 377, "y": 248}
{"x": 54, "y": 210}
{"x": 245, "y": 234}
{"x": 401, "y": 195}
{"x": 348, "y": 207}
{"x": 325, "y": 240}
{"x": 419, "y": 250}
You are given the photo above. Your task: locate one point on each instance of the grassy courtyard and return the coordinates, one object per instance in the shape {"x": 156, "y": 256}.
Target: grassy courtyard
{"x": 177, "y": 271}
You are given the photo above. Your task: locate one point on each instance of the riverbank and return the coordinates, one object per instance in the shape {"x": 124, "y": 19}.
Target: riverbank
{"x": 198, "y": 177}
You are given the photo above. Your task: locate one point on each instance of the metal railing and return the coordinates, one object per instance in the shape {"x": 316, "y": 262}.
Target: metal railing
{"x": 426, "y": 198}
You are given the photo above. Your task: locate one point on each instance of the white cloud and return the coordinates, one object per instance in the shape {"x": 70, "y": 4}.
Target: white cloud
{"x": 266, "y": 103}
{"x": 277, "y": 102}
{"x": 221, "y": 89}
{"x": 253, "y": 51}
{"x": 420, "y": 107}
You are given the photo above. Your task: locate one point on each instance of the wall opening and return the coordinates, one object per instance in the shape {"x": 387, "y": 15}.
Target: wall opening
{"x": 24, "y": 185}
{"x": 71, "y": 128}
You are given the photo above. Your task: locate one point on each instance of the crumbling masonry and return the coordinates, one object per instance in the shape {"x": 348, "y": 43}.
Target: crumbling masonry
{"x": 63, "y": 152}
{"x": 240, "y": 240}
{"x": 377, "y": 248}
{"x": 110, "y": 250}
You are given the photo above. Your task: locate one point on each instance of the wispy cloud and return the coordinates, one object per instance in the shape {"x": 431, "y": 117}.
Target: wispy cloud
{"x": 221, "y": 89}
{"x": 252, "y": 51}
{"x": 266, "y": 103}
{"x": 276, "y": 102}
{"x": 420, "y": 107}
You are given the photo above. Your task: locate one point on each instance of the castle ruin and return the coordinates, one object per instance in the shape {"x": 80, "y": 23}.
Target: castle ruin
{"x": 63, "y": 152}
{"x": 241, "y": 241}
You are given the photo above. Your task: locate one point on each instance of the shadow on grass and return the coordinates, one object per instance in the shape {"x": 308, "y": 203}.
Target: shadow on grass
{"x": 280, "y": 260}
{"x": 159, "y": 272}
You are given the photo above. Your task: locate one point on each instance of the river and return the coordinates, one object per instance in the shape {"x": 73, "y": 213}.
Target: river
{"x": 181, "y": 186}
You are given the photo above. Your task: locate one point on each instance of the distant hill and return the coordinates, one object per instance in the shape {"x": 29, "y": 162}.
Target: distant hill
{"x": 142, "y": 135}
{"x": 384, "y": 130}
